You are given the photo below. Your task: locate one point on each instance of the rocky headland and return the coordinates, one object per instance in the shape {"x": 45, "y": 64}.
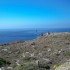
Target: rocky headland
{"x": 50, "y": 51}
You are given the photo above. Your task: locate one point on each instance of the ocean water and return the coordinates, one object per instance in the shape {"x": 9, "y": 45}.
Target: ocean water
{"x": 7, "y": 36}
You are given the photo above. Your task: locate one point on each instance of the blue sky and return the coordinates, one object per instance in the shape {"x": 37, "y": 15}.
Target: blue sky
{"x": 20, "y": 14}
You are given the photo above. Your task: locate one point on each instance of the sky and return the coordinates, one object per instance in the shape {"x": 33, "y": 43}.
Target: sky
{"x": 20, "y": 14}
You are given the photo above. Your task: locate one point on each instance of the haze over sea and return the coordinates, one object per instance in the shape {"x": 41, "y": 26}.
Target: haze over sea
{"x": 7, "y": 36}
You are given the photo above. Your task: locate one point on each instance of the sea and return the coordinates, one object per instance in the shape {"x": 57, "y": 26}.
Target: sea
{"x": 7, "y": 36}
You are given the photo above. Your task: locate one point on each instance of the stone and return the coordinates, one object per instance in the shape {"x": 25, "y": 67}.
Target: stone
{"x": 10, "y": 68}
{"x": 5, "y": 50}
{"x": 32, "y": 55}
{"x": 17, "y": 62}
{"x": 49, "y": 49}
{"x": 23, "y": 55}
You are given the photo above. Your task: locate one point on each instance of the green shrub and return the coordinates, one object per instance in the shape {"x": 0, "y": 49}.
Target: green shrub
{"x": 27, "y": 66}
{"x": 67, "y": 53}
{"x": 44, "y": 66}
{"x": 3, "y": 62}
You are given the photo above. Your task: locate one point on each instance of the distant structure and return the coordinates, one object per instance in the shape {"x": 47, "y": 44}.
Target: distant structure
{"x": 48, "y": 33}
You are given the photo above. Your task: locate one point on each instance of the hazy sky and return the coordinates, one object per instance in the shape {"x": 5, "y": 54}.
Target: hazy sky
{"x": 34, "y": 14}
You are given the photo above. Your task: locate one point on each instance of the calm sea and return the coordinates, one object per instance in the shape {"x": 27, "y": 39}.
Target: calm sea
{"x": 27, "y": 34}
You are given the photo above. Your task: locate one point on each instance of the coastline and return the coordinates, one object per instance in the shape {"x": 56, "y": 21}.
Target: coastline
{"x": 48, "y": 49}
{"x": 22, "y": 41}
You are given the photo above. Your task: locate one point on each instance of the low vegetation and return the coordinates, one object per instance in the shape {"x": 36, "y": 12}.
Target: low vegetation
{"x": 42, "y": 53}
{"x": 4, "y": 62}
{"x": 67, "y": 53}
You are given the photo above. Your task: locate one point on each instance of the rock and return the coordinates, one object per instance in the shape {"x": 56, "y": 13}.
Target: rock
{"x": 60, "y": 51}
{"x": 48, "y": 33}
{"x": 9, "y": 52}
{"x": 23, "y": 55}
{"x": 5, "y": 50}
{"x": 33, "y": 46}
{"x": 2, "y": 68}
{"x": 27, "y": 52}
{"x": 49, "y": 49}
{"x": 32, "y": 55}
{"x": 47, "y": 60}
{"x": 9, "y": 68}
{"x": 36, "y": 62}
{"x": 40, "y": 54}
{"x": 17, "y": 62}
